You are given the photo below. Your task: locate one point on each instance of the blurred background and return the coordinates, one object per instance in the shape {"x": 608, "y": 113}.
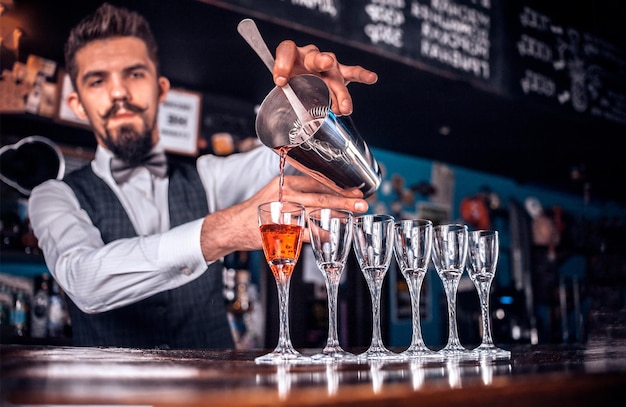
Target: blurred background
{"x": 501, "y": 114}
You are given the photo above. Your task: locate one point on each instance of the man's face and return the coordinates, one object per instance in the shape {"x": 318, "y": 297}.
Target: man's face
{"x": 119, "y": 92}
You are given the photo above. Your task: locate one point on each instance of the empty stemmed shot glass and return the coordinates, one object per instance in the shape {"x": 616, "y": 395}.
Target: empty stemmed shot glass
{"x": 373, "y": 246}
{"x": 412, "y": 247}
{"x": 331, "y": 241}
{"x": 484, "y": 247}
{"x": 449, "y": 256}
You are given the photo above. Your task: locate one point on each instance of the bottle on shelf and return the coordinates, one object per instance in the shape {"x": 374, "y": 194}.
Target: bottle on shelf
{"x": 20, "y": 314}
{"x": 58, "y": 319}
{"x": 40, "y": 307}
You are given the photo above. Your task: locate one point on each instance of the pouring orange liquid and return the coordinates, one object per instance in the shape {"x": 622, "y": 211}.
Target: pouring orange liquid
{"x": 282, "y": 151}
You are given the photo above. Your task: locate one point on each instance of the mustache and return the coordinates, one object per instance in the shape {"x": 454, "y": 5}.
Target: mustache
{"x": 122, "y": 105}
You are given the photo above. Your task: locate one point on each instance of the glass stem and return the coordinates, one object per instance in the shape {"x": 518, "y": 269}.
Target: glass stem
{"x": 415, "y": 285}
{"x": 483, "y": 294}
{"x": 284, "y": 340}
{"x": 451, "y": 285}
{"x": 376, "y": 332}
{"x": 332, "y": 287}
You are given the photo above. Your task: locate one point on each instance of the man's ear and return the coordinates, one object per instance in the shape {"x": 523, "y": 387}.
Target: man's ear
{"x": 164, "y": 87}
{"x": 75, "y": 104}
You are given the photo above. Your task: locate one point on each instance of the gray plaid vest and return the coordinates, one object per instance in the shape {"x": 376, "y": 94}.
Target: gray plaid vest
{"x": 192, "y": 316}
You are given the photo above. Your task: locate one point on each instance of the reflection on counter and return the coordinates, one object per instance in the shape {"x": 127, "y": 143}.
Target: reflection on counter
{"x": 378, "y": 375}
{"x": 35, "y": 375}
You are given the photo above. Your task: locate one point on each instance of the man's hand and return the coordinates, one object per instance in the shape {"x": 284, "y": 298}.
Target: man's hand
{"x": 236, "y": 228}
{"x": 292, "y": 60}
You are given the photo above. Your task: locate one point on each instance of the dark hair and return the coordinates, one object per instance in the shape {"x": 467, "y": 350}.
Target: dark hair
{"x": 108, "y": 22}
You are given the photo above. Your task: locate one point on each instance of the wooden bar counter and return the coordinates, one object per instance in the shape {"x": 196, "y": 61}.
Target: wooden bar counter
{"x": 592, "y": 374}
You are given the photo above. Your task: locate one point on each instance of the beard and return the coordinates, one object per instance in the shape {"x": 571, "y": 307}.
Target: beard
{"x": 130, "y": 145}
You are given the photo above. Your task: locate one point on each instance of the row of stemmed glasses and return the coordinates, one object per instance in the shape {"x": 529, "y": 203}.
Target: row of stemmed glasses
{"x": 332, "y": 232}
{"x": 452, "y": 245}
{"x": 415, "y": 242}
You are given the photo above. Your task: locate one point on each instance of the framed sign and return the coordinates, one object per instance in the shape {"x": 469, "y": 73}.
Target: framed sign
{"x": 179, "y": 121}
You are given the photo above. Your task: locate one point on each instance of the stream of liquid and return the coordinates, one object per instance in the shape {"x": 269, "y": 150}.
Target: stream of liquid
{"x": 282, "y": 151}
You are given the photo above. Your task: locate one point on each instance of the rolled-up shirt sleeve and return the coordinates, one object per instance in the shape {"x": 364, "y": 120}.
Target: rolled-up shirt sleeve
{"x": 99, "y": 277}
{"x": 235, "y": 178}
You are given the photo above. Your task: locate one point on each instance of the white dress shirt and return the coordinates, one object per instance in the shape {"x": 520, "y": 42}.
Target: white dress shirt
{"x": 99, "y": 277}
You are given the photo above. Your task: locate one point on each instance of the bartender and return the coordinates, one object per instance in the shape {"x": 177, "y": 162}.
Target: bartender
{"x": 134, "y": 238}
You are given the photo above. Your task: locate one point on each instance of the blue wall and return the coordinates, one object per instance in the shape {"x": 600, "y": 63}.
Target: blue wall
{"x": 468, "y": 183}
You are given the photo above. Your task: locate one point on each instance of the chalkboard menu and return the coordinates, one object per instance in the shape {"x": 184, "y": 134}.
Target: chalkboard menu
{"x": 453, "y": 38}
{"x": 554, "y": 60}
{"x": 505, "y": 46}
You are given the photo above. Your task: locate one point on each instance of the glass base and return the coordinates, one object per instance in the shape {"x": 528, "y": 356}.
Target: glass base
{"x": 379, "y": 353}
{"x": 458, "y": 352}
{"x": 492, "y": 351}
{"x": 421, "y": 352}
{"x": 334, "y": 355}
{"x": 282, "y": 356}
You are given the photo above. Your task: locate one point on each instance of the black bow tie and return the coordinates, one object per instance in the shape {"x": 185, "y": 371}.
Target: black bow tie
{"x": 156, "y": 163}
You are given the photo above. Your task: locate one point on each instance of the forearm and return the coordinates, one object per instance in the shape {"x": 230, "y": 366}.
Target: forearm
{"x": 226, "y": 231}
{"x": 230, "y": 182}
{"x": 236, "y": 228}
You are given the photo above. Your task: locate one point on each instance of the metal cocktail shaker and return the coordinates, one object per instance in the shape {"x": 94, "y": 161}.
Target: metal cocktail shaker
{"x": 328, "y": 148}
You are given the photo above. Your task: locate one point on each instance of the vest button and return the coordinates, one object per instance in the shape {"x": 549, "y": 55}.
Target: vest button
{"x": 186, "y": 271}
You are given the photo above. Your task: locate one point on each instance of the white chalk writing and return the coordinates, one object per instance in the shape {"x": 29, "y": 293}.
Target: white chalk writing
{"x": 323, "y": 6}
{"x": 455, "y": 58}
{"x": 532, "y": 19}
{"x": 532, "y": 47}
{"x": 387, "y": 15}
{"x": 534, "y": 82}
{"x": 455, "y": 35}
{"x": 387, "y": 18}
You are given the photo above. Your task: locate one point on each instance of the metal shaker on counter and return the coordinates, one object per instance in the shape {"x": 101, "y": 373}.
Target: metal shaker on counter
{"x": 328, "y": 148}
